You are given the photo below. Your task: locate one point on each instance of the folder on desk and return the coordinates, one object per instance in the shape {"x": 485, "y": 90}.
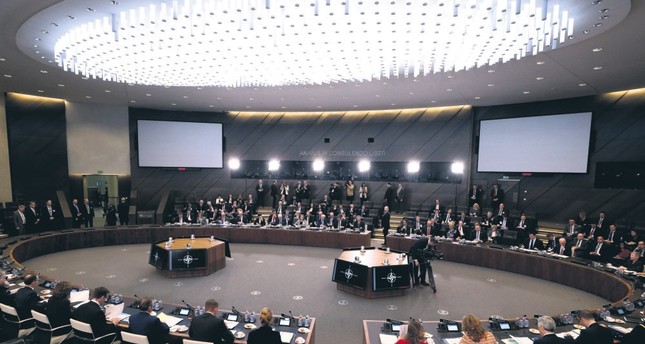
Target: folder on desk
{"x": 387, "y": 338}
{"x": 286, "y": 337}
{"x": 230, "y": 324}
{"x": 79, "y": 296}
{"x": 114, "y": 311}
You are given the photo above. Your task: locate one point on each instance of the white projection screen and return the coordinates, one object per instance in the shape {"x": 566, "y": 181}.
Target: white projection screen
{"x": 180, "y": 144}
{"x": 540, "y": 144}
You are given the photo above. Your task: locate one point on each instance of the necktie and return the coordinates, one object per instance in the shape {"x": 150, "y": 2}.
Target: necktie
{"x": 579, "y": 243}
{"x": 611, "y": 236}
{"x": 531, "y": 245}
{"x": 477, "y": 236}
{"x": 592, "y": 230}
{"x": 598, "y": 248}
{"x": 22, "y": 217}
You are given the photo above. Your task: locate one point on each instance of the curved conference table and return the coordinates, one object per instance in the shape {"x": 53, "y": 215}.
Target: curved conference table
{"x": 562, "y": 271}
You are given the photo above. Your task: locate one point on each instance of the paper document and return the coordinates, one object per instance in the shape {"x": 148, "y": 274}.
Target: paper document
{"x": 518, "y": 340}
{"x": 387, "y": 338}
{"x": 286, "y": 337}
{"x": 79, "y": 296}
{"x": 113, "y": 311}
{"x": 452, "y": 340}
{"x": 230, "y": 324}
{"x": 572, "y": 333}
{"x": 168, "y": 319}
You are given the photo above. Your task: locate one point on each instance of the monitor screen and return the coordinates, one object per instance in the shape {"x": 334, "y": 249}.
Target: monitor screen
{"x": 541, "y": 144}
{"x": 285, "y": 322}
{"x": 390, "y": 277}
{"x": 452, "y": 328}
{"x": 504, "y": 326}
{"x": 396, "y": 327}
{"x": 350, "y": 273}
{"x": 232, "y": 317}
{"x": 180, "y": 144}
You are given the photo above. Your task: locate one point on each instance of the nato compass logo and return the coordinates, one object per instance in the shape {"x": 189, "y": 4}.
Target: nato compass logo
{"x": 349, "y": 274}
{"x": 391, "y": 278}
{"x": 188, "y": 259}
{"x": 156, "y": 256}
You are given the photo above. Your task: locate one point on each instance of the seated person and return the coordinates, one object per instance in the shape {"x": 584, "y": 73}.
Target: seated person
{"x": 571, "y": 230}
{"x": 240, "y": 218}
{"x": 475, "y": 210}
{"x": 403, "y": 227}
{"x": 5, "y": 296}
{"x": 273, "y": 219}
{"x": 613, "y": 236}
{"x": 488, "y": 220}
{"x": 478, "y": 235}
{"x": 264, "y": 334}
{"x": 322, "y": 221}
{"x": 501, "y": 212}
{"x": 180, "y": 219}
{"x": 552, "y": 242}
{"x": 359, "y": 223}
{"x": 601, "y": 251}
{"x": 415, "y": 334}
{"x": 622, "y": 255}
{"x": 633, "y": 264}
{"x": 593, "y": 332}
{"x": 631, "y": 240}
{"x": 562, "y": 248}
{"x": 474, "y": 332}
{"x": 546, "y": 326}
{"x": 635, "y": 336}
{"x": 533, "y": 243}
{"x": 91, "y": 313}
{"x": 462, "y": 230}
{"x": 418, "y": 224}
{"x": 301, "y": 221}
{"x": 26, "y": 297}
{"x": 144, "y": 323}
{"x": 58, "y": 308}
{"x": 451, "y": 233}
{"x": 494, "y": 234}
{"x": 433, "y": 228}
{"x": 260, "y": 221}
{"x": 594, "y": 232}
{"x": 201, "y": 219}
{"x": 449, "y": 216}
{"x": 210, "y": 328}
{"x": 282, "y": 220}
{"x": 579, "y": 246}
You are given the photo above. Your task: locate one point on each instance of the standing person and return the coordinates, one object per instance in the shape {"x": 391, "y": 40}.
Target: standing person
{"x": 19, "y": 219}
{"x": 385, "y": 223}
{"x": 475, "y": 196}
{"x": 77, "y": 215}
{"x": 496, "y": 197}
{"x": 275, "y": 192}
{"x": 362, "y": 193}
{"x": 49, "y": 217}
{"x": 349, "y": 191}
{"x": 124, "y": 209}
{"x": 399, "y": 197}
{"x": 474, "y": 332}
{"x": 88, "y": 214}
{"x": 414, "y": 335}
{"x": 305, "y": 190}
{"x": 264, "y": 334}
{"x": 389, "y": 196}
{"x": 106, "y": 198}
{"x": 417, "y": 267}
{"x": 210, "y": 328}
{"x": 259, "y": 193}
{"x": 110, "y": 215}
{"x": 33, "y": 218}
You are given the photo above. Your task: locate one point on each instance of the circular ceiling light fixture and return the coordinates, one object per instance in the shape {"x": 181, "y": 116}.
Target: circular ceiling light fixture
{"x": 263, "y": 43}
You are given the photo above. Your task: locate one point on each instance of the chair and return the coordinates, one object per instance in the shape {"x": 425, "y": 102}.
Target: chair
{"x": 83, "y": 332}
{"x": 56, "y": 335}
{"x": 129, "y": 337}
{"x": 190, "y": 341}
{"x": 10, "y": 315}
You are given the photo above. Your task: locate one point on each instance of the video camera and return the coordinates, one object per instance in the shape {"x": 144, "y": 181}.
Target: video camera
{"x": 430, "y": 254}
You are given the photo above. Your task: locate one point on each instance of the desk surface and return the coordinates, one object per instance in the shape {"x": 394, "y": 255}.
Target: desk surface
{"x": 196, "y": 244}
{"x": 373, "y": 257}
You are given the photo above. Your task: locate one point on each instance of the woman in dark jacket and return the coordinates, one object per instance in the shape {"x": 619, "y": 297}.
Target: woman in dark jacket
{"x": 59, "y": 309}
{"x": 264, "y": 334}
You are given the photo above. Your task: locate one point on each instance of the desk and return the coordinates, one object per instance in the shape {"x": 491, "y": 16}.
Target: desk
{"x": 82, "y": 238}
{"x": 177, "y": 260}
{"x": 562, "y": 271}
{"x": 372, "y": 278}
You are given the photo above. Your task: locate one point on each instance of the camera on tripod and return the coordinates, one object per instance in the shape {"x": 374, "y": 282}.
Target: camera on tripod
{"x": 430, "y": 254}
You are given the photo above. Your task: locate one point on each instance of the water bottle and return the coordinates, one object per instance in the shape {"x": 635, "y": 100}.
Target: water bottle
{"x": 301, "y": 321}
{"x": 629, "y": 306}
{"x": 570, "y": 319}
{"x": 307, "y": 322}
{"x": 246, "y": 316}
{"x": 525, "y": 322}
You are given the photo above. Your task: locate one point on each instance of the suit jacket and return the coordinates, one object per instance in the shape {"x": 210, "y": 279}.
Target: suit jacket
{"x": 538, "y": 244}
{"x": 264, "y": 335}
{"x": 567, "y": 230}
{"x": 77, "y": 212}
{"x": 86, "y": 213}
{"x": 552, "y": 244}
{"x": 482, "y": 235}
{"x": 595, "y": 334}
{"x": 58, "y": 310}
{"x": 91, "y": 313}
{"x": 385, "y": 221}
{"x": 32, "y": 217}
{"x": 17, "y": 220}
{"x": 567, "y": 250}
{"x": 25, "y": 299}
{"x": 635, "y": 336}
{"x": 209, "y": 328}
{"x": 550, "y": 339}
{"x": 150, "y": 326}
{"x": 605, "y": 250}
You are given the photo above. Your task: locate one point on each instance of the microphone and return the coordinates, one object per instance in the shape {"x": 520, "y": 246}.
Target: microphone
{"x": 235, "y": 311}
{"x": 188, "y": 305}
{"x": 136, "y": 303}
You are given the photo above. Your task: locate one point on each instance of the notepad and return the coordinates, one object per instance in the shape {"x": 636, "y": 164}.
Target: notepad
{"x": 518, "y": 340}
{"x": 230, "y": 324}
{"x": 168, "y": 319}
{"x": 113, "y": 311}
{"x": 286, "y": 337}
{"x": 79, "y": 296}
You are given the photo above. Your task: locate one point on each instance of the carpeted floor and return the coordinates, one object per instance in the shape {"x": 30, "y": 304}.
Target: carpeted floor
{"x": 298, "y": 279}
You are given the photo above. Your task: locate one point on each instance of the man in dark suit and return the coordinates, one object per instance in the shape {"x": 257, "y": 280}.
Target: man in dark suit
{"x": 259, "y": 193}
{"x": 552, "y": 242}
{"x": 385, "y": 222}
{"x": 359, "y": 223}
{"x": 150, "y": 326}
{"x": 478, "y": 234}
{"x": 593, "y": 232}
{"x": 20, "y": 219}
{"x": 583, "y": 221}
{"x": 77, "y": 214}
{"x": 496, "y": 197}
{"x": 91, "y": 313}
{"x": 88, "y": 213}
{"x": 33, "y": 218}
{"x": 390, "y": 195}
{"x": 123, "y": 209}
{"x": 417, "y": 261}
{"x": 49, "y": 217}
{"x": 613, "y": 236}
{"x": 209, "y": 328}
{"x": 562, "y": 248}
{"x": 546, "y": 326}
{"x": 275, "y": 192}
{"x": 533, "y": 243}
{"x": 26, "y": 297}
{"x": 579, "y": 246}
{"x": 602, "y": 250}
{"x": 571, "y": 229}
{"x": 594, "y": 333}
{"x": 474, "y": 196}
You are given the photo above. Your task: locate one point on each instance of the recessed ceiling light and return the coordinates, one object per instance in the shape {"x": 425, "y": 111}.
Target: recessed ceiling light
{"x": 71, "y": 17}
{"x": 210, "y": 106}
{"x": 354, "y": 106}
{"x": 540, "y": 62}
{"x": 54, "y": 24}
{"x": 433, "y": 101}
{"x": 114, "y": 2}
{"x": 582, "y": 84}
{"x": 539, "y": 78}
{"x": 526, "y": 92}
{"x": 491, "y": 71}
{"x": 411, "y": 93}
{"x": 377, "y": 95}
{"x": 108, "y": 91}
{"x": 448, "y": 89}
{"x": 7, "y": 75}
{"x": 586, "y": 31}
{"x": 604, "y": 10}
{"x": 2, "y": 59}
{"x": 603, "y": 17}
{"x": 597, "y": 68}
{"x": 248, "y": 106}
{"x": 596, "y": 50}
{"x": 185, "y": 97}
{"x": 450, "y": 76}
{"x": 173, "y": 104}
{"x": 133, "y": 101}
{"x": 491, "y": 85}
{"x": 478, "y": 97}
{"x": 61, "y": 85}
{"x": 597, "y": 25}
{"x": 596, "y": 2}
{"x": 41, "y": 91}
{"x": 148, "y": 95}
{"x": 393, "y": 104}
{"x": 88, "y": 97}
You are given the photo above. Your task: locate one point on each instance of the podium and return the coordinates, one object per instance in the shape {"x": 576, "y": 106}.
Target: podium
{"x": 187, "y": 257}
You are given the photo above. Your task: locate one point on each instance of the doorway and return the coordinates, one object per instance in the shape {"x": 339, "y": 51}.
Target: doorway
{"x": 95, "y": 188}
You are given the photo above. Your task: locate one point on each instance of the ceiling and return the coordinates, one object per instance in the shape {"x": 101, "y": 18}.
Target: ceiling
{"x": 611, "y": 59}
